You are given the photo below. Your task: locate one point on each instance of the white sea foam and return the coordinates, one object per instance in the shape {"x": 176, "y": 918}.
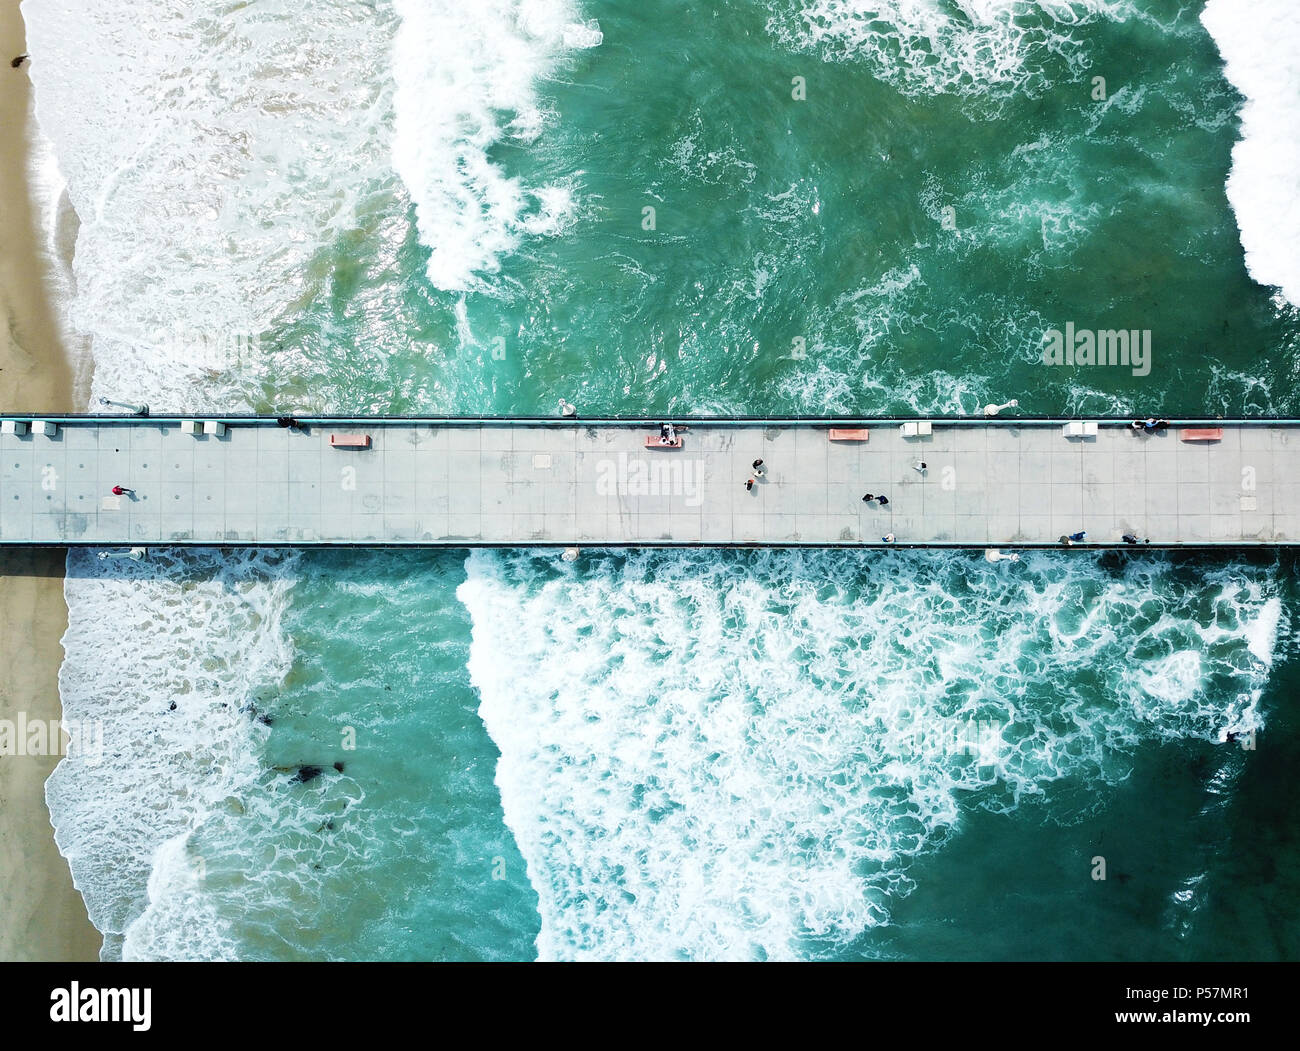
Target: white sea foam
{"x": 1261, "y": 633}
{"x": 969, "y": 47}
{"x": 1260, "y": 44}
{"x": 210, "y": 156}
{"x": 725, "y": 165}
{"x": 181, "y": 921}
{"x": 718, "y": 758}
{"x": 213, "y": 157}
{"x": 886, "y": 313}
{"x": 200, "y": 631}
{"x": 467, "y": 80}
{"x": 220, "y": 889}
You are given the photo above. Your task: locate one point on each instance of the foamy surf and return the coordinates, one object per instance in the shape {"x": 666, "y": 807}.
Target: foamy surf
{"x": 737, "y": 757}
{"x": 210, "y": 156}
{"x": 799, "y": 832}
{"x": 142, "y": 659}
{"x": 1260, "y": 44}
{"x": 467, "y": 80}
{"x": 988, "y": 48}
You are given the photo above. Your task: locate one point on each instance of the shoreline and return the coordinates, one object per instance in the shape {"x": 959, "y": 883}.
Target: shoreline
{"x": 44, "y": 916}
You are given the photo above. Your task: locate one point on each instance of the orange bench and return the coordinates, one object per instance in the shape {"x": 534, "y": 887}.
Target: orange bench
{"x": 1201, "y": 434}
{"x": 652, "y": 441}
{"x": 350, "y": 441}
{"x": 849, "y": 434}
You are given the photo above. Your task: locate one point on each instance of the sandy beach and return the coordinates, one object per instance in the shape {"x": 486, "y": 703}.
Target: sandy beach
{"x": 42, "y": 916}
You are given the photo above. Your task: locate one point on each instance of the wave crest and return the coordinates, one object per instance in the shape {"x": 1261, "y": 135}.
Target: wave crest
{"x": 736, "y": 757}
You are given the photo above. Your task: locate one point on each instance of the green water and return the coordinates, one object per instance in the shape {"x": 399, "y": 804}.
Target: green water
{"x": 620, "y": 722}
{"x": 405, "y": 854}
{"x": 823, "y": 220}
{"x": 1025, "y": 889}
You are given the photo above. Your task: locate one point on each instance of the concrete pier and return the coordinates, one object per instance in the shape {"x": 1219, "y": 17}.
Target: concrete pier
{"x": 998, "y": 482}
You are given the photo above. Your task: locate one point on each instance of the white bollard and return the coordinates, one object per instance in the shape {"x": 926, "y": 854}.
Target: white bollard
{"x": 191, "y": 427}
{"x": 14, "y": 427}
{"x": 214, "y": 427}
{"x": 45, "y": 427}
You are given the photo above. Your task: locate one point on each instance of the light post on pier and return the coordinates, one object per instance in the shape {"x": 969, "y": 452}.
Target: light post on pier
{"x": 136, "y": 410}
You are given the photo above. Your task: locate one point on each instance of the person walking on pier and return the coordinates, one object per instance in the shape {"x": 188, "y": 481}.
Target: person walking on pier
{"x": 1079, "y": 537}
{"x": 749, "y": 485}
{"x": 120, "y": 490}
{"x": 758, "y": 467}
{"x": 920, "y": 466}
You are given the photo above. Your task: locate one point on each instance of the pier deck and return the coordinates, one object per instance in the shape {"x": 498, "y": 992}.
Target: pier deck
{"x": 438, "y": 482}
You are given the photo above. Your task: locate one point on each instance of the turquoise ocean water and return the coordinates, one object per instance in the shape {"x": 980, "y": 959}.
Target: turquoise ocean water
{"x": 680, "y": 755}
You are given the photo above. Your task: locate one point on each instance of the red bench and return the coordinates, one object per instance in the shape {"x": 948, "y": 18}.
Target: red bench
{"x": 1201, "y": 434}
{"x": 653, "y": 441}
{"x": 350, "y": 441}
{"x": 849, "y": 434}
